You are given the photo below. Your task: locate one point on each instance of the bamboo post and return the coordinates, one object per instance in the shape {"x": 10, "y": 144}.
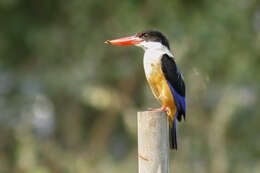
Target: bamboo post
{"x": 153, "y": 142}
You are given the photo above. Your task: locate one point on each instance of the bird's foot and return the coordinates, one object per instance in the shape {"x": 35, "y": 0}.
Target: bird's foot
{"x": 163, "y": 108}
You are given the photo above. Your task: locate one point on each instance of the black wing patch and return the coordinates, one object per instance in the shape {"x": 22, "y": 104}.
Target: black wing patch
{"x": 172, "y": 74}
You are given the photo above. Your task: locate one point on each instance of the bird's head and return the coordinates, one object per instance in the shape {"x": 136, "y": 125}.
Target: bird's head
{"x": 149, "y": 39}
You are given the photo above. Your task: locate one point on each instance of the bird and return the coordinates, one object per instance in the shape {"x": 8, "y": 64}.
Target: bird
{"x": 163, "y": 76}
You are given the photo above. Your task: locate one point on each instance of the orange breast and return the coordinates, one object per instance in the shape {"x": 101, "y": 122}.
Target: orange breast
{"x": 161, "y": 89}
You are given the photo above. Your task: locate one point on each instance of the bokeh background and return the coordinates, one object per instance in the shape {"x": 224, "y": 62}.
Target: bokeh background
{"x": 68, "y": 102}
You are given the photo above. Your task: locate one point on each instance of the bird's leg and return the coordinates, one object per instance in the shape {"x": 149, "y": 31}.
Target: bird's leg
{"x": 163, "y": 108}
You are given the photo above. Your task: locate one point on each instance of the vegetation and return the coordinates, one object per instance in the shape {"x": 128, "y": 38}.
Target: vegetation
{"x": 68, "y": 102}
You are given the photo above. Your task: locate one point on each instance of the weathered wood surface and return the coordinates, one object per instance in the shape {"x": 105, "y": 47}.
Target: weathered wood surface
{"x": 153, "y": 142}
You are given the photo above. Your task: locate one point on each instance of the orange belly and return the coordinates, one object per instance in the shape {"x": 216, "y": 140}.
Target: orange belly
{"x": 161, "y": 89}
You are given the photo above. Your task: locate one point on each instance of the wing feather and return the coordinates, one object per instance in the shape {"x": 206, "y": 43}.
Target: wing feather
{"x": 176, "y": 83}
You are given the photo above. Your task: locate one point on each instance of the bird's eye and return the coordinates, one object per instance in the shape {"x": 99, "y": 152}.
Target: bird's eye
{"x": 145, "y": 35}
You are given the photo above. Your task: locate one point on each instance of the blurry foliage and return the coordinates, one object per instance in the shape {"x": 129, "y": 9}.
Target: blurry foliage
{"x": 68, "y": 102}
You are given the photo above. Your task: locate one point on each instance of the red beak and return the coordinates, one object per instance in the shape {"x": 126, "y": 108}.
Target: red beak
{"x": 125, "y": 41}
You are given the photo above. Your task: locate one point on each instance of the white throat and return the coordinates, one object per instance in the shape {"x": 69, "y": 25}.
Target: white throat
{"x": 155, "y": 47}
{"x": 153, "y": 54}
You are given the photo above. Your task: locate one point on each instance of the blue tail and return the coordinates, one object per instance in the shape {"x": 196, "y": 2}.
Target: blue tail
{"x": 180, "y": 113}
{"x": 173, "y": 135}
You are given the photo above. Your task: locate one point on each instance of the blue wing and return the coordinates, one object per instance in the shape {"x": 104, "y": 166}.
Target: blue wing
{"x": 180, "y": 103}
{"x": 176, "y": 84}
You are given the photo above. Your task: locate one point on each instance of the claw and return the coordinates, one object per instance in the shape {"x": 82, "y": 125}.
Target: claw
{"x": 163, "y": 108}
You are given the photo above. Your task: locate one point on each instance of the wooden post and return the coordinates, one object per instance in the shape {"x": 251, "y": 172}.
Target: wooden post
{"x": 153, "y": 142}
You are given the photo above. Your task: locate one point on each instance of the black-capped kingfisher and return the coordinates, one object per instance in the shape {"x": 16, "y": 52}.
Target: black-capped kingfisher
{"x": 163, "y": 75}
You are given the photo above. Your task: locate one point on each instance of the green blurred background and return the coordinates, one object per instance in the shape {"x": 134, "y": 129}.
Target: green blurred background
{"x": 68, "y": 102}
